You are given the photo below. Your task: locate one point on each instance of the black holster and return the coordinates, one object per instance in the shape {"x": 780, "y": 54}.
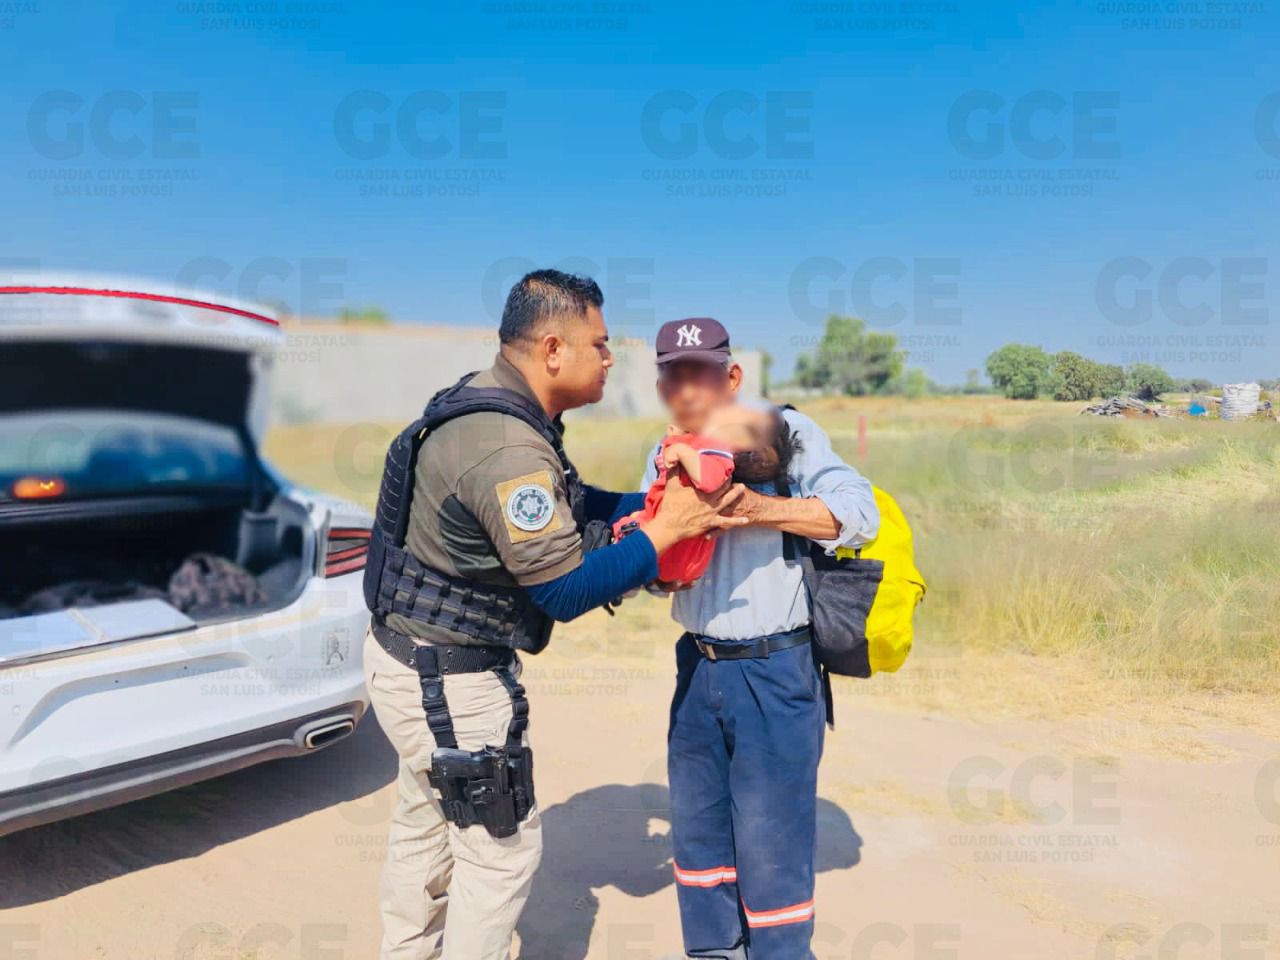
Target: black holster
{"x": 492, "y": 786}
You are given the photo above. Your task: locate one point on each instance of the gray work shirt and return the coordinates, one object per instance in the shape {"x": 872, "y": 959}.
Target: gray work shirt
{"x": 749, "y": 590}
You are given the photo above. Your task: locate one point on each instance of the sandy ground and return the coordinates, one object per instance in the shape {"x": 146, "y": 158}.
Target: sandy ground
{"x": 939, "y": 838}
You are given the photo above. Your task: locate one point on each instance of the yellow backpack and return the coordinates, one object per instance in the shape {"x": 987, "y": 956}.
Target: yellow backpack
{"x": 861, "y": 599}
{"x": 901, "y": 588}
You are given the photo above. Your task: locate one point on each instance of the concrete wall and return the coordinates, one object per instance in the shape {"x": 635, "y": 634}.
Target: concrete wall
{"x": 343, "y": 374}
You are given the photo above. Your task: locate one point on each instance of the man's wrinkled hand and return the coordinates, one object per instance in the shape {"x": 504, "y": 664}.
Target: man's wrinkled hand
{"x": 747, "y": 505}
{"x": 725, "y": 503}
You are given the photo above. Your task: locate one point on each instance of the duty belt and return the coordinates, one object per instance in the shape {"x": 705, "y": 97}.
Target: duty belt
{"x": 752, "y": 649}
{"x": 448, "y": 658}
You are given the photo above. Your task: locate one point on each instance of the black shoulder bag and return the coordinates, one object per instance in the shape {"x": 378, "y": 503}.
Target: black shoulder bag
{"x": 841, "y": 591}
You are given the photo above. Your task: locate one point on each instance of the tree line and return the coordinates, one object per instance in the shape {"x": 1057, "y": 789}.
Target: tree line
{"x": 1024, "y": 372}
{"x": 853, "y": 360}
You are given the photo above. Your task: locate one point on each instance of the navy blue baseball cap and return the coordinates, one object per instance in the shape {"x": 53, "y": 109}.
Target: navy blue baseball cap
{"x": 695, "y": 338}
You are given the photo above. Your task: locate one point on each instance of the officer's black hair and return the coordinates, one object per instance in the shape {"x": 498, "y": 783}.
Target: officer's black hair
{"x": 544, "y": 294}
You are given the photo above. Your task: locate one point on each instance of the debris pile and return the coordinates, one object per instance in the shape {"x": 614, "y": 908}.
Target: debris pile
{"x": 1126, "y": 407}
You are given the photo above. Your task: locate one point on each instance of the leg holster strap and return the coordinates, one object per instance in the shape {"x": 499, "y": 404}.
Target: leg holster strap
{"x": 492, "y": 786}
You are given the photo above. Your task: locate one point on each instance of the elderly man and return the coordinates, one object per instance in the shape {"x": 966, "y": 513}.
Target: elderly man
{"x": 746, "y": 725}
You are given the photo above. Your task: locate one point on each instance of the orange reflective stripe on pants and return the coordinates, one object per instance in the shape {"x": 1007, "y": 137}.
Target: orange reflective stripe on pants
{"x": 705, "y": 878}
{"x": 796, "y": 913}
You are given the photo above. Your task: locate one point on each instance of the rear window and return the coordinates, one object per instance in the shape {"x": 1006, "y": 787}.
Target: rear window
{"x": 74, "y": 454}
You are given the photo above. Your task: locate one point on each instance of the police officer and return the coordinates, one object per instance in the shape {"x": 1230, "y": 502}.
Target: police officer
{"x": 484, "y": 535}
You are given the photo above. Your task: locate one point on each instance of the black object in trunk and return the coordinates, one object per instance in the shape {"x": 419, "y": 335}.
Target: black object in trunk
{"x": 125, "y": 556}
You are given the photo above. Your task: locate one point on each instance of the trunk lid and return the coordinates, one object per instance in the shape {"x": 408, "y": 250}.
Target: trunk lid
{"x": 82, "y": 343}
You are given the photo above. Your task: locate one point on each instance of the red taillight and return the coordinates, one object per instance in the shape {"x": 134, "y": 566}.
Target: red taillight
{"x": 346, "y": 550}
{"x": 38, "y": 488}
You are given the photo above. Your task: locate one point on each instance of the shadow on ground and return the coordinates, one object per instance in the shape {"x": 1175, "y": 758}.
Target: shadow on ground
{"x": 619, "y": 836}
{"x": 57, "y": 859}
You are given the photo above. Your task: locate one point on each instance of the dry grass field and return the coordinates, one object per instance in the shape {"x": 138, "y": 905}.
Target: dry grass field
{"x": 1077, "y": 565}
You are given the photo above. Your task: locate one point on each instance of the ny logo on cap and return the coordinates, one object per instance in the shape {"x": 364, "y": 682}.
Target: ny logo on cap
{"x": 690, "y": 335}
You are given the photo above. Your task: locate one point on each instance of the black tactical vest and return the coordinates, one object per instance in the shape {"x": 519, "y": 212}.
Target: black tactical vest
{"x": 395, "y": 581}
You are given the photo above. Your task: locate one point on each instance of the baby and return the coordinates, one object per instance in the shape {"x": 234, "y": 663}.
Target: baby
{"x": 739, "y": 442}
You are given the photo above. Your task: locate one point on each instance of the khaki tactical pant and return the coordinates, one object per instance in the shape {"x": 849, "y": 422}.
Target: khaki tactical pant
{"x": 446, "y": 893}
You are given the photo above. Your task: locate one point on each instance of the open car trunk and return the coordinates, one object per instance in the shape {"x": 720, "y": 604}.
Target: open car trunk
{"x": 129, "y": 473}
{"x": 210, "y": 557}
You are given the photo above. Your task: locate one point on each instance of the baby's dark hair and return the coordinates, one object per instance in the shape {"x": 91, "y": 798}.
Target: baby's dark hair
{"x": 772, "y": 458}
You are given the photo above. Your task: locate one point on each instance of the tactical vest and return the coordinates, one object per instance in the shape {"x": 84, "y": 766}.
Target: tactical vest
{"x": 396, "y": 581}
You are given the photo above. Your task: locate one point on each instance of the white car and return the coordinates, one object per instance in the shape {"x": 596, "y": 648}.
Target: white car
{"x": 129, "y": 428}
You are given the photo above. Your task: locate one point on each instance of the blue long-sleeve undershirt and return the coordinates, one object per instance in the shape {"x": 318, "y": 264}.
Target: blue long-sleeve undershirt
{"x": 603, "y": 574}
{"x": 610, "y": 506}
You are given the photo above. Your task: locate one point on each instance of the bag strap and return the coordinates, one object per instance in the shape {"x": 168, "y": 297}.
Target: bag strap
{"x": 792, "y": 552}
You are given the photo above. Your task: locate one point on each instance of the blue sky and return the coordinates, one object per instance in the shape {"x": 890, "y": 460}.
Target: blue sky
{"x": 762, "y": 163}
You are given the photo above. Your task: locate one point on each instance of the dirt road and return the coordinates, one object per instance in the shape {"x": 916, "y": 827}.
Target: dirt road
{"x": 939, "y": 838}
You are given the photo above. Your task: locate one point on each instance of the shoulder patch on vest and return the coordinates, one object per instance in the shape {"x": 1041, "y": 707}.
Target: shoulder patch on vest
{"x": 529, "y": 506}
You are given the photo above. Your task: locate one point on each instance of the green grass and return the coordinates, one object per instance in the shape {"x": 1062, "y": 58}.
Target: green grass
{"x": 1148, "y": 549}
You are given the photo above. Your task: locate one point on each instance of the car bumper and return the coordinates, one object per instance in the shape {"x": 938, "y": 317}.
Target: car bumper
{"x": 108, "y": 725}
{"x": 81, "y": 793}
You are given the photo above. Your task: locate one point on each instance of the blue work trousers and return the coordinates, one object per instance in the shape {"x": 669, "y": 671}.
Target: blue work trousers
{"x": 743, "y": 749}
